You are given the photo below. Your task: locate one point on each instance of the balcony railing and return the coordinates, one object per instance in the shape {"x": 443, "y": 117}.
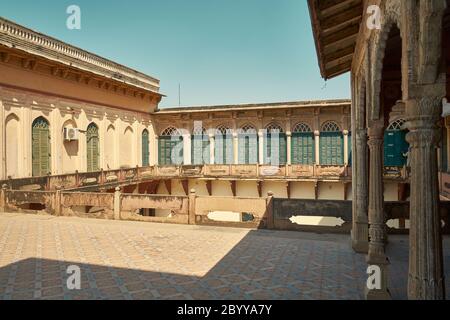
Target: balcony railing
{"x": 109, "y": 179}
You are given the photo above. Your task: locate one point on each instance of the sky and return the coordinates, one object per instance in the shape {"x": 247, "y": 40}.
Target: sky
{"x": 217, "y": 51}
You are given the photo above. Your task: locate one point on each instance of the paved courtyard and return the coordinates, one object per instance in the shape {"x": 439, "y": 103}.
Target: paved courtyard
{"x": 129, "y": 260}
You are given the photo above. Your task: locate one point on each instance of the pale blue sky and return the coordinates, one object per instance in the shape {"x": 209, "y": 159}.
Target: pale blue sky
{"x": 220, "y": 51}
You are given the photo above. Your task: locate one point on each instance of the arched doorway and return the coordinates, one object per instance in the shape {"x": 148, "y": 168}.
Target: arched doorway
{"x": 145, "y": 148}
{"x": 93, "y": 152}
{"x": 41, "y": 147}
{"x": 200, "y": 147}
{"x": 223, "y": 146}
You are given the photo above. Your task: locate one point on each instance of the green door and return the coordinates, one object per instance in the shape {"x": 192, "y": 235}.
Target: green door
{"x": 92, "y": 148}
{"x": 275, "y": 149}
{"x": 145, "y": 149}
{"x": 41, "y": 150}
{"x": 248, "y": 148}
{"x": 331, "y": 148}
{"x": 302, "y": 148}
{"x": 167, "y": 145}
{"x": 395, "y": 148}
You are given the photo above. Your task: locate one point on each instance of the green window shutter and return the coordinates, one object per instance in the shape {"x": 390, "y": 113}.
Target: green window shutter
{"x": 395, "y": 148}
{"x": 145, "y": 149}
{"x": 242, "y": 149}
{"x": 167, "y": 145}
{"x": 41, "y": 150}
{"x": 331, "y": 148}
{"x": 92, "y": 148}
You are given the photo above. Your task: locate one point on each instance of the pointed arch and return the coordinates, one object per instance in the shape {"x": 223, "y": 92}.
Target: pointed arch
{"x": 127, "y": 148}
{"x": 248, "y": 144}
{"x": 223, "y": 145}
{"x": 170, "y": 149}
{"x": 110, "y": 149}
{"x": 145, "y": 148}
{"x": 41, "y": 147}
{"x": 275, "y": 145}
{"x": 12, "y": 130}
{"x": 395, "y": 145}
{"x": 70, "y": 152}
{"x": 92, "y": 147}
{"x": 200, "y": 146}
{"x": 302, "y": 145}
{"x": 331, "y": 144}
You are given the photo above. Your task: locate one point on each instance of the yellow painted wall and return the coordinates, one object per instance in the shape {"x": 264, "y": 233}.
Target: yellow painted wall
{"x": 222, "y": 189}
{"x": 278, "y": 188}
{"x": 302, "y": 190}
{"x": 331, "y": 191}
{"x": 247, "y": 189}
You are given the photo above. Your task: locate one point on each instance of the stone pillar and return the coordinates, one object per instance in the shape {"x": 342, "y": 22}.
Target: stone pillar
{"x": 317, "y": 146}
{"x": 261, "y": 137}
{"x": 426, "y": 278}
{"x": 192, "y": 197}
{"x": 187, "y": 145}
{"x": 3, "y": 197}
{"x": 117, "y": 195}
{"x": 156, "y": 151}
{"x": 376, "y": 255}
{"x": 212, "y": 142}
{"x": 345, "y": 132}
{"x": 289, "y": 148}
{"x": 360, "y": 228}
{"x": 236, "y": 148}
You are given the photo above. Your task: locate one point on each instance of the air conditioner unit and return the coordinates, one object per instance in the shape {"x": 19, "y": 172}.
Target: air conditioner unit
{"x": 71, "y": 134}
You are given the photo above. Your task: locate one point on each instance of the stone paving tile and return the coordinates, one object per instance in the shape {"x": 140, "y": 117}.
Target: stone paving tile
{"x": 128, "y": 260}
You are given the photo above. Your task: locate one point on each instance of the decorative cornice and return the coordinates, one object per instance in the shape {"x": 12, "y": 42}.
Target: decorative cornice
{"x": 18, "y": 37}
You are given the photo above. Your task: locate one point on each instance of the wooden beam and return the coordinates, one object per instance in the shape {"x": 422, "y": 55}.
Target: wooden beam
{"x": 259, "y": 186}
{"x": 185, "y": 184}
{"x": 316, "y": 190}
{"x": 168, "y": 184}
{"x": 233, "y": 187}
{"x": 209, "y": 187}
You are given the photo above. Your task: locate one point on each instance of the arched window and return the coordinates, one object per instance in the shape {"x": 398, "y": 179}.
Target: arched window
{"x": 110, "y": 150}
{"x": 395, "y": 145}
{"x": 223, "y": 145}
{"x": 145, "y": 148}
{"x": 93, "y": 153}
{"x": 248, "y": 145}
{"x": 170, "y": 147}
{"x": 331, "y": 144}
{"x": 302, "y": 145}
{"x": 275, "y": 145}
{"x": 41, "y": 150}
{"x": 200, "y": 147}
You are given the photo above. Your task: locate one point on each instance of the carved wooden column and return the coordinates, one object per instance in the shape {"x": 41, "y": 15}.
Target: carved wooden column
{"x": 426, "y": 278}
{"x": 376, "y": 255}
{"x": 360, "y": 229}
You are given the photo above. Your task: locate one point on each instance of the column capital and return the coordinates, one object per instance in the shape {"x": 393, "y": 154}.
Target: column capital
{"x": 345, "y": 132}
{"x": 376, "y": 131}
{"x": 317, "y": 133}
